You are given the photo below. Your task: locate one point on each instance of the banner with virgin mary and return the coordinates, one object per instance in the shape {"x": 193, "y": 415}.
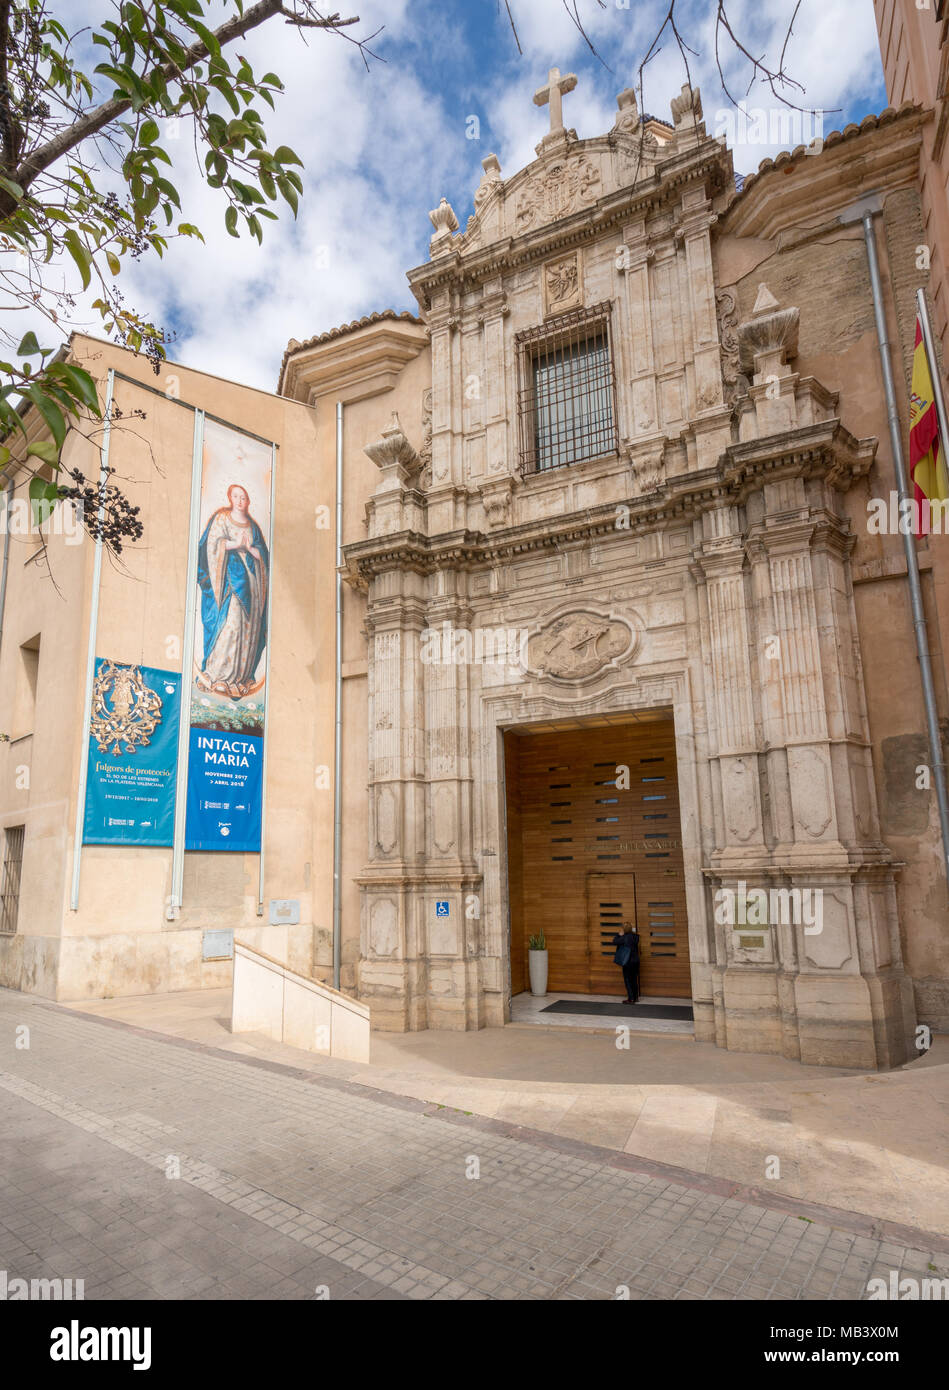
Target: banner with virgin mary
{"x": 228, "y": 686}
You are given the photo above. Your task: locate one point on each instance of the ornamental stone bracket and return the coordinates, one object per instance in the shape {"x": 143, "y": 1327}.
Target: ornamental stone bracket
{"x": 397, "y": 503}
{"x": 768, "y": 340}
{"x": 394, "y": 456}
{"x": 496, "y": 498}
{"x": 647, "y": 464}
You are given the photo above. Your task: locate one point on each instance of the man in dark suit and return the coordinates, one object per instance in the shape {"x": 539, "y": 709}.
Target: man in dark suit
{"x": 627, "y": 956}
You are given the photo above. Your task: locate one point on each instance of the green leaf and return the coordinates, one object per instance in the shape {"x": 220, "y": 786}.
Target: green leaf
{"x": 80, "y": 255}
{"x": 289, "y": 194}
{"x": 50, "y": 411}
{"x": 210, "y": 39}
{"x": 46, "y": 450}
{"x": 29, "y": 347}
{"x": 77, "y": 382}
{"x": 10, "y": 187}
{"x": 284, "y": 155}
{"x": 149, "y": 132}
{"x": 115, "y": 265}
{"x": 230, "y": 220}
{"x": 43, "y": 496}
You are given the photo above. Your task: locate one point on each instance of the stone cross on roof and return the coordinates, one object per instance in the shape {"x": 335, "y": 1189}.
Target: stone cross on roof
{"x": 556, "y": 87}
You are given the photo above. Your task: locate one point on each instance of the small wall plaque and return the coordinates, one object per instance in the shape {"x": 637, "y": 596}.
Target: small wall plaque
{"x": 284, "y": 912}
{"x": 751, "y": 943}
{"x": 217, "y": 945}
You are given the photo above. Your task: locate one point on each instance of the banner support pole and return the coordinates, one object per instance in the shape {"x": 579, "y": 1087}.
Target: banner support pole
{"x": 338, "y": 714}
{"x": 263, "y": 768}
{"x": 91, "y": 652}
{"x": 187, "y": 661}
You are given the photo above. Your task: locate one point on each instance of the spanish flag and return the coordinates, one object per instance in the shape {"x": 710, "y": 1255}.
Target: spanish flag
{"x": 927, "y": 454}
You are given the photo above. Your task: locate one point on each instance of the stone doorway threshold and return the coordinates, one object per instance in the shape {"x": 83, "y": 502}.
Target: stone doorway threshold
{"x": 530, "y": 1010}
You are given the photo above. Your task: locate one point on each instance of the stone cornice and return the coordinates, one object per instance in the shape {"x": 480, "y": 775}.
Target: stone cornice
{"x": 826, "y": 450}
{"x": 352, "y": 367}
{"x": 880, "y": 154}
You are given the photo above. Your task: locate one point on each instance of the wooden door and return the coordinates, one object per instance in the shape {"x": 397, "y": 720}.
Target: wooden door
{"x": 611, "y": 902}
{"x": 571, "y": 815}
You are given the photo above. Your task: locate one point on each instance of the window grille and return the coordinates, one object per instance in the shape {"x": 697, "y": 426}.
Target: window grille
{"x": 10, "y": 890}
{"x": 566, "y": 404}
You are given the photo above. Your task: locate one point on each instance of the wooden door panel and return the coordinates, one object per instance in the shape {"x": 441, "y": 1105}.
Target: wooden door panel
{"x": 572, "y": 820}
{"x": 611, "y": 902}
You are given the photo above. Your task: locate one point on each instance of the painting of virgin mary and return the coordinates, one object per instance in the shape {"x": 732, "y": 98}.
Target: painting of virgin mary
{"x": 233, "y": 576}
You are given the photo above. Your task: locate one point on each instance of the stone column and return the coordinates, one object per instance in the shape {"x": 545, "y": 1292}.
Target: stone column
{"x": 635, "y": 260}
{"x": 450, "y": 870}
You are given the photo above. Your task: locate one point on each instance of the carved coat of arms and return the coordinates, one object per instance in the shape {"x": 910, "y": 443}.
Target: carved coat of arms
{"x": 580, "y": 644}
{"x": 124, "y": 709}
{"x": 557, "y": 190}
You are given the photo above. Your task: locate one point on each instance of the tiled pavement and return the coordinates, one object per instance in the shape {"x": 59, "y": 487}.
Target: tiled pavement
{"x": 155, "y": 1169}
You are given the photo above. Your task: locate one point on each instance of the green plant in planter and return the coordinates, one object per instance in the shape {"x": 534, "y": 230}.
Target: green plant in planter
{"x": 537, "y": 943}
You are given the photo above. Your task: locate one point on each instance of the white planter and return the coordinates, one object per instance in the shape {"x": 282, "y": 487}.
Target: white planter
{"x": 537, "y": 965}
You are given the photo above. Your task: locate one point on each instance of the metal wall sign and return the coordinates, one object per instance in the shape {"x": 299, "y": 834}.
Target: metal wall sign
{"x": 217, "y": 945}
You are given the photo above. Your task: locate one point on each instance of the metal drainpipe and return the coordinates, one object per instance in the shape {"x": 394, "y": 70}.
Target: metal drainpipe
{"x": 338, "y": 732}
{"x": 909, "y": 543}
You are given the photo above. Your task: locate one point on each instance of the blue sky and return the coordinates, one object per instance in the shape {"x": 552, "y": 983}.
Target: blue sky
{"x": 381, "y": 148}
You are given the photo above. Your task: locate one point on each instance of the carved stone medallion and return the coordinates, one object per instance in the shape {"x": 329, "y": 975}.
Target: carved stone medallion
{"x": 579, "y": 645}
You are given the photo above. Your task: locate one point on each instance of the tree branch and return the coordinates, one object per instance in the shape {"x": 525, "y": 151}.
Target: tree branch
{"x": 103, "y": 115}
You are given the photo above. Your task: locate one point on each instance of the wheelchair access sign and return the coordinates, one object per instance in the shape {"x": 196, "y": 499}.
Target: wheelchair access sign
{"x": 441, "y": 909}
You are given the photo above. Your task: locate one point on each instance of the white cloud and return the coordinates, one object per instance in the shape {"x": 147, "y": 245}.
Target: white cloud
{"x": 380, "y": 148}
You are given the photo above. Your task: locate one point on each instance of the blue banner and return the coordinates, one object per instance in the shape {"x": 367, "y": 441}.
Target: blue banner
{"x": 133, "y": 754}
{"x": 228, "y": 680}
{"x": 225, "y": 779}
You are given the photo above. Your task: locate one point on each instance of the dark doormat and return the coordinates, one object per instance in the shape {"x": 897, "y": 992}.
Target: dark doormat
{"x": 593, "y": 1006}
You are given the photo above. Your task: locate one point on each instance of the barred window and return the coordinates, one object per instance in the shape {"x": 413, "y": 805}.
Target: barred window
{"x": 566, "y": 401}
{"x": 10, "y": 887}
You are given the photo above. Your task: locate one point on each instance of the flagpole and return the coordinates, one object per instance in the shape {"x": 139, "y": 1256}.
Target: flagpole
{"x": 909, "y": 542}
{"x": 939, "y": 768}
{"x": 922, "y": 309}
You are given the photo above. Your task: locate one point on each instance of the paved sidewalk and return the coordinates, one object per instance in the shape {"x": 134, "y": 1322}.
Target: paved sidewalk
{"x": 876, "y": 1143}
{"x": 152, "y": 1167}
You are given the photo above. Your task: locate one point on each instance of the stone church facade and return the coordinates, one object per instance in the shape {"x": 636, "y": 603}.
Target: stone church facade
{"x": 618, "y": 642}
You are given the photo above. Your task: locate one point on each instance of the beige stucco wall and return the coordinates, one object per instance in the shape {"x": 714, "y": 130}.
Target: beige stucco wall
{"x": 368, "y": 405}
{"x": 120, "y": 940}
